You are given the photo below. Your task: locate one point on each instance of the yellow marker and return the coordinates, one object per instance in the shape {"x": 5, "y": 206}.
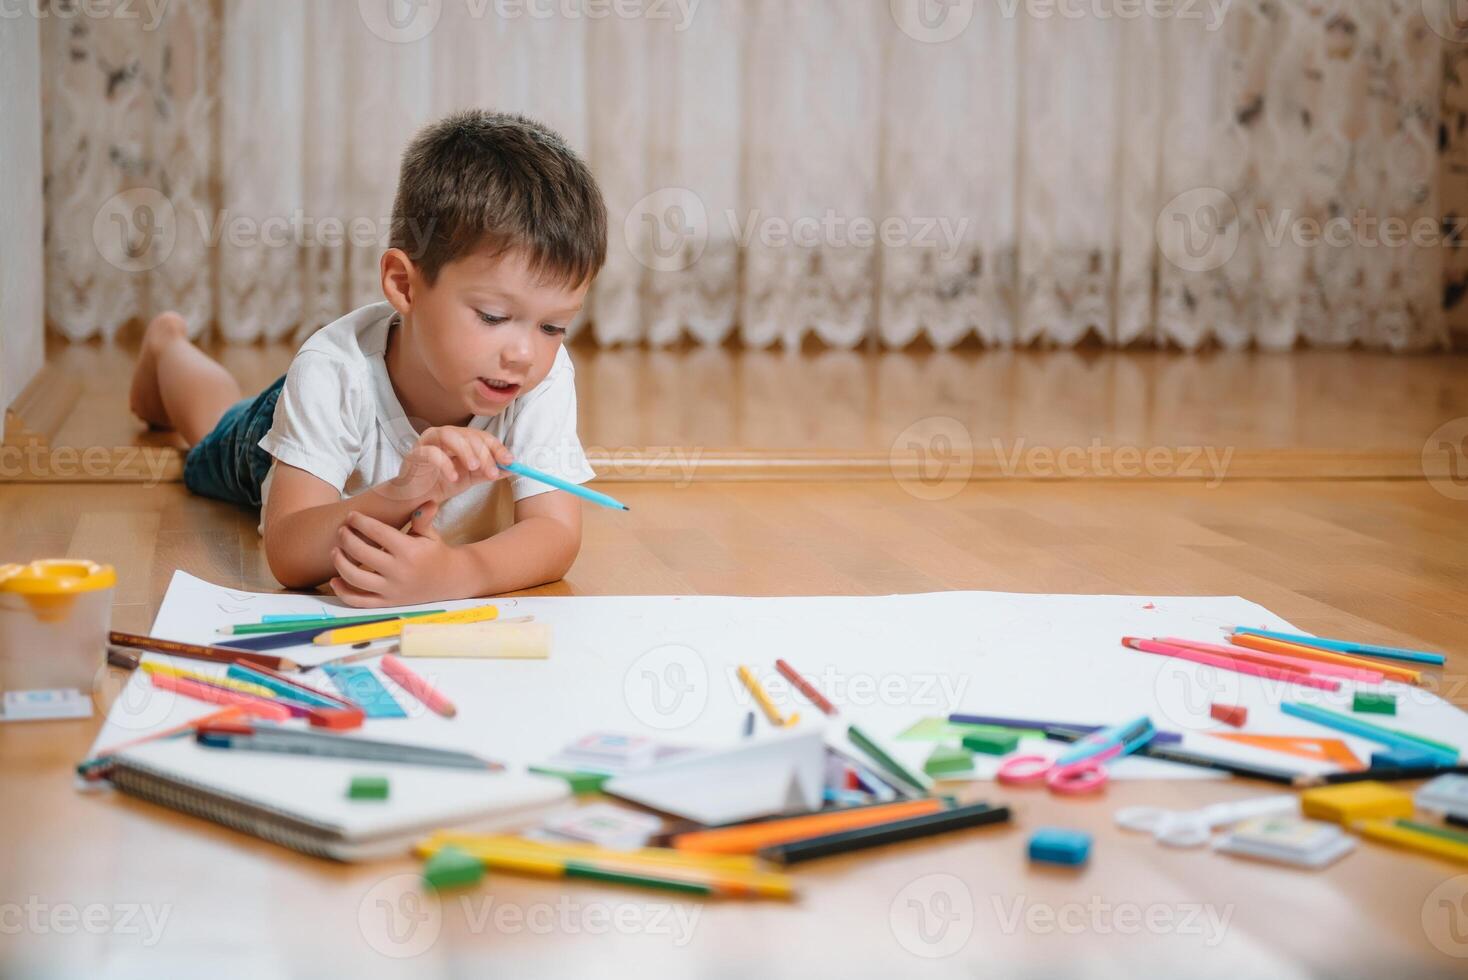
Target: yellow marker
{"x": 651, "y": 856}
{"x": 244, "y": 687}
{"x": 766, "y": 705}
{"x": 394, "y": 627}
{"x": 1391, "y": 832}
{"x": 533, "y": 857}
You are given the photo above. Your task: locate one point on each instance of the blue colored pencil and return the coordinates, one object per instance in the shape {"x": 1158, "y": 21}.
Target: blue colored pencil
{"x": 520, "y": 469}
{"x": 1346, "y": 646}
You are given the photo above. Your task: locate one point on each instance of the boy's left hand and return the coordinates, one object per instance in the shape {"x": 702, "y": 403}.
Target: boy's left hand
{"x": 379, "y": 565}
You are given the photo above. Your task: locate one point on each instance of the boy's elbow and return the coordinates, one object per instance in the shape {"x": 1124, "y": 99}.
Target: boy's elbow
{"x": 286, "y": 567}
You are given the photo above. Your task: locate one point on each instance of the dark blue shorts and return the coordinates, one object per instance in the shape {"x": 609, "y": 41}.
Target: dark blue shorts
{"x": 228, "y": 463}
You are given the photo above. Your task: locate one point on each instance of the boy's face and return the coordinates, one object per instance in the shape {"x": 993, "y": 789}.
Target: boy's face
{"x": 488, "y": 329}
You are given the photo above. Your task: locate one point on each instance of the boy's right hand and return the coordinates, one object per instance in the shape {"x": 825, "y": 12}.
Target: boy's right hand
{"x": 448, "y": 460}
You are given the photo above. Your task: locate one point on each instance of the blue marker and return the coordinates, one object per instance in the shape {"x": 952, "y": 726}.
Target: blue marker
{"x": 1346, "y": 646}
{"x": 520, "y": 469}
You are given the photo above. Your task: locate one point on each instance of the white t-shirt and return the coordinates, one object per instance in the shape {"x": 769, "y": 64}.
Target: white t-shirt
{"x": 339, "y": 419}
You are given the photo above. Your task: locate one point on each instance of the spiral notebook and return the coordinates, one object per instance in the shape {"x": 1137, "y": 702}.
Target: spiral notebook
{"x": 301, "y": 802}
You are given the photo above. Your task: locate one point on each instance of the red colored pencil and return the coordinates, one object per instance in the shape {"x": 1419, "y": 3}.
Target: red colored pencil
{"x": 199, "y": 691}
{"x": 1231, "y": 663}
{"x": 805, "y": 687}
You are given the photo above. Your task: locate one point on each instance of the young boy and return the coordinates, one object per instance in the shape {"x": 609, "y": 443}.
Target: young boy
{"x": 404, "y": 411}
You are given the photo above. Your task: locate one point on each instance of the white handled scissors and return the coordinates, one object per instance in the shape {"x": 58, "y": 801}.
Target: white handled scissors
{"x": 1192, "y": 828}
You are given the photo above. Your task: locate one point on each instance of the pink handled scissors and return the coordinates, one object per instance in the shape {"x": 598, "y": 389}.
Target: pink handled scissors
{"x": 1082, "y": 768}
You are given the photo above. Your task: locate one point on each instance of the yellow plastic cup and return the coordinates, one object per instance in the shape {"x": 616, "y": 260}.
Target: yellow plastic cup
{"x": 54, "y": 619}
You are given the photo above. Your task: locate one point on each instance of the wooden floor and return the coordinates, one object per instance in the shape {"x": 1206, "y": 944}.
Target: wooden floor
{"x": 720, "y": 413}
{"x": 1381, "y": 558}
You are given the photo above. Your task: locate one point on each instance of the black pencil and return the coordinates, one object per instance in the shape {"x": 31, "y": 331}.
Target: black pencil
{"x": 958, "y": 818}
{"x": 1385, "y": 774}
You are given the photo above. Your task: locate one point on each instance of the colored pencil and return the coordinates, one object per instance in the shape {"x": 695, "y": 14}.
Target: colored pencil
{"x": 1321, "y": 667}
{"x": 1385, "y": 775}
{"x": 1354, "y": 726}
{"x": 806, "y": 688}
{"x": 842, "y": 842}
{"x": 1346, "y": 646}
{"x": 959, "y": 718}
{"x": 1268, "y": 645}
{"x": 284, "y": 687}
{"x": 1232, "y": 664}
{"x": 394, "y": 627}
{"x": 244, "y": 687}
{"x": 269, "y": 738}
{"x": 1392, "y": 832}
{"x": 196, "y": 651}
{"x": 884, "y": 759}
{"x": 751, "y": 838}
{"x": 222, "y": 695}
{"x": 319, "y": 622}
{"x": 417, "y": 686}
{"x": 762, "y": 698}
{"x": 520, "y": 469}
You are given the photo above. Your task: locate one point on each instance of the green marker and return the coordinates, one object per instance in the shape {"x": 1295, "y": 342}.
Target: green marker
{"x": 880, "y": 756}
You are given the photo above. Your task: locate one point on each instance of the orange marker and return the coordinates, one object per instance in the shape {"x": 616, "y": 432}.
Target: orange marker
{"x": 1324, "y": 656}
{"x": 417, "y": 686}
{"x": 749, "y": 838}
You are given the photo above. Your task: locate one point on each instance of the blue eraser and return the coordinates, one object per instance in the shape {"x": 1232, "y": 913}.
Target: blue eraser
{"x": 1403, "y": 759}
{"x": 1056, "y": 846}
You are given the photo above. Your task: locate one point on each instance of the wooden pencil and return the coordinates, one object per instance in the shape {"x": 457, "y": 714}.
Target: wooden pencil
{"x": 197, "y": 651}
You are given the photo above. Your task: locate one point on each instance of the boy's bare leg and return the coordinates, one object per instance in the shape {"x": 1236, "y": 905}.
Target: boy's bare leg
{"x": 176, "y": 385}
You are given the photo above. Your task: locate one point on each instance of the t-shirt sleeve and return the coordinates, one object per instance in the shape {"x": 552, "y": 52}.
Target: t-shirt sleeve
{"x": 543, "y": 434}
{"x": 316, "y": 419}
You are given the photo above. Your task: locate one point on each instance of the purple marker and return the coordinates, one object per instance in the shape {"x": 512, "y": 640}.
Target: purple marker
{"x": 960, "y": 719}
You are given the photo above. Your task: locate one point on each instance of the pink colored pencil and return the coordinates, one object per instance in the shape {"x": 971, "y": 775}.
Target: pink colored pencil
{"x": 1260, "y": 657}
{"x": 1231, "y": 663}
{"x": 259, "y": 707}
{"x": 417, "y": 686}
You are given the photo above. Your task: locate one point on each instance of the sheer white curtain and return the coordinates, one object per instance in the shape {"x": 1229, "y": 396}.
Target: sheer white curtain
{"x": 849, "y": 169}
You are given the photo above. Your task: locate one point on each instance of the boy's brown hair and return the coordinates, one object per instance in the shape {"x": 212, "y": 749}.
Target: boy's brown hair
{"x": 496, "y": 181}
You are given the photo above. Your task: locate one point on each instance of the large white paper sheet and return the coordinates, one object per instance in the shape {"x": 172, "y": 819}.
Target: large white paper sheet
{"x": 666, "y": 666}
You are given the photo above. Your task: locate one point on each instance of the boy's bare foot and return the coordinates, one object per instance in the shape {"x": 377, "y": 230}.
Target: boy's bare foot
{"x": 145, "y": 398}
